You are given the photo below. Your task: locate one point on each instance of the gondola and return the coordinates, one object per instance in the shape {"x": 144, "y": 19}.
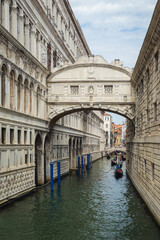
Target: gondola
{"x": 118, "y": 173}
{"x": 108, "y": 156}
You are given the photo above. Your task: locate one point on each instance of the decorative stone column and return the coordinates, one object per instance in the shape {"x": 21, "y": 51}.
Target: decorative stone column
{"x": 33, "y": 40}
{"x": 55, "y": 13}
{"x": 39, "y": 47}
{"x": 22, "y": 98}
{"x": 21, "y": 27}
{"x": 15, "y": 94}
{"x": 28, "y": 100}
{"x": 8, "y": 92}
{"x": 27, "y": 34}
{"x": 14, "y": 19}
{"x": 59, "y": 22}
{"x": 5, "y": 15}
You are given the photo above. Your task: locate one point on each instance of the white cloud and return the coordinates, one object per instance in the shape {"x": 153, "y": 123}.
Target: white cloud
{"x": 114, "y": 28}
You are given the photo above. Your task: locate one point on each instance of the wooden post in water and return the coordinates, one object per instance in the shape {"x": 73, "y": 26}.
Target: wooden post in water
{"x": 51, "y": 175}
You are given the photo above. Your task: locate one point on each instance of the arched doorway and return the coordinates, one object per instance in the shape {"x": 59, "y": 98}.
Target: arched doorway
{"x": 38, "y": 160}
{"x": 46, "y": 160}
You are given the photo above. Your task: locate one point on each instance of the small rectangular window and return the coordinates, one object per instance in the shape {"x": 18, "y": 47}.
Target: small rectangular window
{"x": 144, "y": 166}
{"x": 74, "y": 90}
{"x": 147, "y": 116}
{"x": 30, "y": 137}
{"x": 26, "y": 158}
{"x": 3, "y": 135}
{"x": 147, "y": 76}
{"x": 152, "y": 173}
{"x": 155, "y": 111}
{"x": 156, "y": 61}
{"x": 142, "y": 86}
{"x": 25, "y": 137}
{"x": 19, "y": 136}
{"x": 31, "y": 156}
{"x": 11, "y": 136}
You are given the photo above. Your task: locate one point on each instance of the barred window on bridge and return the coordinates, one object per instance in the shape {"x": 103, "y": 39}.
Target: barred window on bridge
{"x": 74, "y": 90}
{"x": 108, "y": 89}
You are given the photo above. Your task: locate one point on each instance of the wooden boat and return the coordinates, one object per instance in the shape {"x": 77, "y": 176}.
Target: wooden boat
{"x": 123, "y": 158}
{"x": 118, "y": 173}
{"x": 108, "y": 156}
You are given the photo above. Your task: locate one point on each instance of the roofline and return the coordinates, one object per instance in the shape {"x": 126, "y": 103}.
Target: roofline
{"x": 78, "y": 27}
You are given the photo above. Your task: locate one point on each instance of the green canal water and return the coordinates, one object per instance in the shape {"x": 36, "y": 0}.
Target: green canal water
{"x": 93, "y": 207}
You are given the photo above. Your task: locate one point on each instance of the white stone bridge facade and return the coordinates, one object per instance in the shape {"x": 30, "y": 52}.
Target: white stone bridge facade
{"x": 91, "y": 84}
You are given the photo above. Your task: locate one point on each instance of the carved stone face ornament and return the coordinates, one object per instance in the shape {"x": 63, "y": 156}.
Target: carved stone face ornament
{"x": 91, "y": 89}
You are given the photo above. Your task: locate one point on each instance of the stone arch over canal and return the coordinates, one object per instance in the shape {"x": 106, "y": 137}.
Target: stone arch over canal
{"x": 91, "y": 84}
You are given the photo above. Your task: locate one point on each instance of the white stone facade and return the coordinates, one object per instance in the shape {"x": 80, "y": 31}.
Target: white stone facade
{"x": 143, "y": 142}
{"x": 34, "y": 39}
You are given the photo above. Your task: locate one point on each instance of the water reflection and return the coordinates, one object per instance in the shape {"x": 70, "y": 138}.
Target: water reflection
{"x": 96, "y": 206}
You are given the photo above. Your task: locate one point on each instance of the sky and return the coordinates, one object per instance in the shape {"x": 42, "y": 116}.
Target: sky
{"x": 114, "y": 29}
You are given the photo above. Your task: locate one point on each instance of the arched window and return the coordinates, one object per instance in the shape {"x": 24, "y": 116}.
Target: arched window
{"x": 31, "y": 96}
{"x": 25, "y": 95}
{"x": 19, "y": 92}
{"x": 12, "y": 79}
{"x": 3, "y": 85}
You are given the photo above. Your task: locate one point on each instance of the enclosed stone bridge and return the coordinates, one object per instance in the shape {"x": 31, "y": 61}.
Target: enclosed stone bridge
{"x": 91, "y": 84}
{"x": 114, "y": 149}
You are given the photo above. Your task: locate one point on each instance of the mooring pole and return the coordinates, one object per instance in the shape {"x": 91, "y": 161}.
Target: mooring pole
{"x": 82, "y": 163}
{"x": 88, "y": 161}
{"x": 51, "y": 174}
{"x": 78, "y": 165}
{"x": 59, "y": 172}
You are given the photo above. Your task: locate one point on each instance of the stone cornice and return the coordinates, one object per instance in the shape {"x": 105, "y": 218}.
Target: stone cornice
{"x": 80, "y": 65}
{"x": 148, "y": 46}
{"x": 23, "y": 115}
{"x": 9, "y": 38}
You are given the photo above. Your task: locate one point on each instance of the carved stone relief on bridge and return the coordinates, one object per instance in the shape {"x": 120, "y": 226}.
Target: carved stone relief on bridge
{"x": 90, "y": 89}
{"x": 91, "y": 72}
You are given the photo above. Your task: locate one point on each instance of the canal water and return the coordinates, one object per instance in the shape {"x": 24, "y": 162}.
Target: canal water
{"x": 94, "y": 206}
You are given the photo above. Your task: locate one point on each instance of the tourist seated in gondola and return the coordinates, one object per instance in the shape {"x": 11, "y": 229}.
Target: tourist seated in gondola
{"x": 120, "y": 163}
{"x": 117, "y": 166}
